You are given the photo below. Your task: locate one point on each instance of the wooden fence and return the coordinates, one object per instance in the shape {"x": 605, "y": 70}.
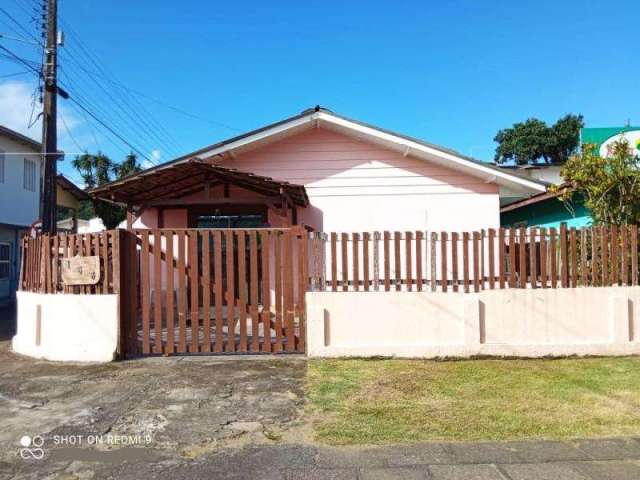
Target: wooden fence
{"x": 243, "y": 291}
{"x": 474, "y": 261}
{"x": 41, "y": 262}
{"x": 230, "y": 290}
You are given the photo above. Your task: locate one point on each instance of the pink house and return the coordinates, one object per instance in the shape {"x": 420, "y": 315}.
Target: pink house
{"x": 325, "y": 172}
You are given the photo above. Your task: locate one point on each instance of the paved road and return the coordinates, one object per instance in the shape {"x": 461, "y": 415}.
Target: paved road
{"x": 211, "y": 417}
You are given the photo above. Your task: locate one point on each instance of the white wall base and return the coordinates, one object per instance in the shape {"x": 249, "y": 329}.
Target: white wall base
{"x": 518, "y": 323}
{"x": 63, "y": 327}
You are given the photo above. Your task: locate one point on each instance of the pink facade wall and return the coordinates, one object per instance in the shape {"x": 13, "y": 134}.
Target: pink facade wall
{"x": 358, "y": 186}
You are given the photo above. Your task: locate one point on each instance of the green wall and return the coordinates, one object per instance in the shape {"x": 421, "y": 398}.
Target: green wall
{"x": 548, "y": 213}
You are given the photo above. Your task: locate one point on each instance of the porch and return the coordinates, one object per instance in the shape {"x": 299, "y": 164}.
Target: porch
{"x": 199, "y": 194}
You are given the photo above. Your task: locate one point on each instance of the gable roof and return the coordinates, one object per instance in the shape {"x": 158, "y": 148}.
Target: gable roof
{"x": 408, "y": 146}
{"x": 20, "y": 138}
{"x": 75, "y": 191}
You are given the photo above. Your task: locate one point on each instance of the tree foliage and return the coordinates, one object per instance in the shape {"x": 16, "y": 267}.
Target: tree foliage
{"x": 533, "y": 141}
{"x": 610, "y": 185}
{"x": 96, "y": 170}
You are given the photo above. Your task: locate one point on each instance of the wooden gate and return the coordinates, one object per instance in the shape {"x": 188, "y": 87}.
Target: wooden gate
{"x": 214, "y": 291}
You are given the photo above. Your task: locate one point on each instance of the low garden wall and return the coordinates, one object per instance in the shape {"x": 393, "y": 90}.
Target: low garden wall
{"x": 67, "y": 327}
{"x": 519, "y": 322}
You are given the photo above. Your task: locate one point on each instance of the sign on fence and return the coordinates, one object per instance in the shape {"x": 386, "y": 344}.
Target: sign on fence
{"x": 81, "y": 270}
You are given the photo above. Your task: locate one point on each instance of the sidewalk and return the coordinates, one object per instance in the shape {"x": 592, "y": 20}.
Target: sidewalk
{"x": 614, "y": 459}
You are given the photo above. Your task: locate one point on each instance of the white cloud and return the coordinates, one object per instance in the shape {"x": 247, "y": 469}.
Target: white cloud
{"x": 18, "y": 110}
{"x": 155, "y": 156}
{"x": 16, "y": 101}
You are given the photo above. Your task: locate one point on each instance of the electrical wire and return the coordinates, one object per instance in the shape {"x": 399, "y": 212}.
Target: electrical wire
{"x": 92, "y": 115}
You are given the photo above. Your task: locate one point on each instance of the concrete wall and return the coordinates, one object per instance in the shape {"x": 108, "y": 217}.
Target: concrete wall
{"x": 79, "y": 328}
{"x": 530, "y": 323}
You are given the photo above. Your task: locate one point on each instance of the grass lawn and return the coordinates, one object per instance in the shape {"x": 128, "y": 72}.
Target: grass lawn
{"x": 381, "y": 401}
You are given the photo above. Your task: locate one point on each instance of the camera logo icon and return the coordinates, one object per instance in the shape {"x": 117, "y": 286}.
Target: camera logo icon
{"x": 32, "y": 447}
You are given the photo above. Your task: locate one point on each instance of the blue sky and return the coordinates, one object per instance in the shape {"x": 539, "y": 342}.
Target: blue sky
{"x": 451, "y": 73}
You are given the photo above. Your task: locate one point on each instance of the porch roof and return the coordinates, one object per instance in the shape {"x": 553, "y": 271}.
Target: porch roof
{"x": 173, "y": 181}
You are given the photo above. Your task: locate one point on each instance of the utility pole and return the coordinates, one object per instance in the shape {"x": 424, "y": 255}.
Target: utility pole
{"x": 49, "y": 122}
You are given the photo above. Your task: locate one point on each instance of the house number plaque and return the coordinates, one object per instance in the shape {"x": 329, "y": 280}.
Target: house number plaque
{"x": 81, "y": 270}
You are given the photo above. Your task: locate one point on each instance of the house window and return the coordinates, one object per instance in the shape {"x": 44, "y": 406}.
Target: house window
{"x": 5, "y": 260}
{"x": 1, "y": 166}
{"x": 29, "y": 175}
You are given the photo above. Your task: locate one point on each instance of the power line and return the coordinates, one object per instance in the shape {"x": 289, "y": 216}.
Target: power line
{"x": 66, "y": 127}
{"x": 15, "y": 74}
{"x": 127, "y": 106}
{"x": 19, "y": 59}
{"x": 123, "y": 113}
{"x": 111, "y": 130}
{"x": 20, "y": 26}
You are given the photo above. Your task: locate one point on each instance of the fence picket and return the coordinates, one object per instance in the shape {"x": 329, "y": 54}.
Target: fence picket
{"x": 615, "y": 279}
{"x": 365, "y": 260}
{"x": 443, "y": 260}
{"x": 387, "y": 262}
{"x": 242, "y": 289}
{"x": 344, "y": 239}
{"x": 170, "y": 344}
{"x": 277, "y": 241}
{"x": 584, "y": 273}
{"x": 334, "y": 261}
{"x": 476, "y": 261}
{"x": 419, "y": 278}
{"x": 144, "y": 293}
{"x": 230, "y": 290}
{"x": 502, "y": 256}
{"x": 624, "y": 264}
{"x": 573, "y": 274}
{"x": 288, "y": 292}
{"x": 408, "y": 239}
{"x": 182, "y": 293}
{"x": 265, "y": 244}
{"x": 454, "y": 261}
{"x": 553, "y": 256}
{"x": 356, "y": 261}
{"x": 206, "y": 290}
{"x": 434, "y": 274}
{"x": 543, "y": 257}
{"x": 492, "y": 274}
{"x": 604, "y": 248}
{"x": 533, "y": 257}
{"x": 397, "y": 260}
{"x": 254, "y": 285}
{"x": 465, "y": 261}
{"x": 157, "y": 291}
{"x": 564, "y": 264}
{"x": 522, "y": 278}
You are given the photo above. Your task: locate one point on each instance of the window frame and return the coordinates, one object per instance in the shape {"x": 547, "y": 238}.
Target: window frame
{"x": 3, "y": 162}
{"x": 7, "y": 261}
{"x": 29, "y": 185}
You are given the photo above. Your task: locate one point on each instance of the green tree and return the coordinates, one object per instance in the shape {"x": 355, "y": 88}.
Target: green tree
{"x": 533, "y": 141}
{"x": 610, "y": 185}
{"x": 96, "y": 170}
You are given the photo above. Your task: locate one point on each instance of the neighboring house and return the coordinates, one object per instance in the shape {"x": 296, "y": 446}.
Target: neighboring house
{"x": 541, "y": 172}
{"x": 20, "y": 176}
{"x": 68, "y": 198}
{"x": 324, "y": 171}
{"x": 21, "y": 170}
{"x": 546, "y": 210}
